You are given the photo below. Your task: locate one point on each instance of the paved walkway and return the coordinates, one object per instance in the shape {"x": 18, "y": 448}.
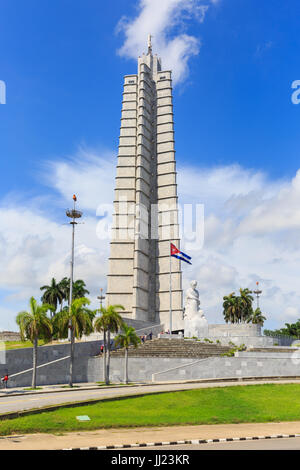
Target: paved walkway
{"x": 106, "y": 437}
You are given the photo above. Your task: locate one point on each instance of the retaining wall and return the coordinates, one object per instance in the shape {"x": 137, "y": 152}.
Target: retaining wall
{"x": 88, "y": 368}
{"x": 18, "y": 360}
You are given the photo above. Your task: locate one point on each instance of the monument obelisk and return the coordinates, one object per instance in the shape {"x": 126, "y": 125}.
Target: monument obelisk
{"x": 145, "y": 219}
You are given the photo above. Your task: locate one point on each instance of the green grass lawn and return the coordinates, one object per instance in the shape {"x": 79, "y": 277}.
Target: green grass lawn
{"x": 238, "y": 404}
{"x": 23, "y": 344}
{"x": 19, "y": 344}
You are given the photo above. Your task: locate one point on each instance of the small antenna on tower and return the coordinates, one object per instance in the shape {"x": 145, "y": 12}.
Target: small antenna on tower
{"x": 149, "y": 44}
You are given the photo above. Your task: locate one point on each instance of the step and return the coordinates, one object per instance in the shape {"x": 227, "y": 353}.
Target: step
{"x": 161, "y": 347}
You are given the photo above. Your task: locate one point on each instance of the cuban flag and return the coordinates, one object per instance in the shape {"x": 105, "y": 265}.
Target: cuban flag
{"x": 179, "y": 254}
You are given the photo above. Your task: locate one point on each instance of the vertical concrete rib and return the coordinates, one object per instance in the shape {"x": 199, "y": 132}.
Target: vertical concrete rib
{"x": 120, "y": 277}
{"x": 146, "y": 177}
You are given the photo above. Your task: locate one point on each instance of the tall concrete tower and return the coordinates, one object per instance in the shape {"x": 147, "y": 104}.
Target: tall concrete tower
{"x": 145, "y": 217}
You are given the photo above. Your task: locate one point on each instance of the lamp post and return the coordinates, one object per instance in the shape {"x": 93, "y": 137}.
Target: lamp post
{"x": 257, "y": 292}
{"x": 101, "y": 297}
{"x": 74, "y": 215}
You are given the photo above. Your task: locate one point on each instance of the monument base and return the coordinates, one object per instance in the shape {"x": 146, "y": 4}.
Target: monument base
{"x": 237, "y": 333}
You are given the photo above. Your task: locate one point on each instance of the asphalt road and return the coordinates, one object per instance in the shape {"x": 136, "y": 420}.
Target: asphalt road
{"x": 31, "y": 400}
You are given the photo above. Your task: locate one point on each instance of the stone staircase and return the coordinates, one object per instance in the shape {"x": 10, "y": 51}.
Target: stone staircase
{"x": 164, "y": 347}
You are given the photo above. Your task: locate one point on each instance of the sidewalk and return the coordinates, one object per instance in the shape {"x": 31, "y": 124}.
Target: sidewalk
{"x": 17, "y": 391}
{"x": 120, "y": 437}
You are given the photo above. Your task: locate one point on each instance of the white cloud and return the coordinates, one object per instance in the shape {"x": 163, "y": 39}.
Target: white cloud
{"x": 85, "y": 174}
{"x": 167, "y": 21}
{"x": 252, "y": 229}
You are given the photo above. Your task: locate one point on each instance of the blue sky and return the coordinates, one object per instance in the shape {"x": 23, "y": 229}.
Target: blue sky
{"x": 63, "y": 64}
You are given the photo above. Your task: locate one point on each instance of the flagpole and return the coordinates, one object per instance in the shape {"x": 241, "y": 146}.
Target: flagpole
{"x": 170, "y": 285}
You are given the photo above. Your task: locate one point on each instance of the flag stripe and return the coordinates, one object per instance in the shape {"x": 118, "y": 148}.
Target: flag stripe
{"x": 183, "y": 254}
{"x": 182, "y": 259}
{"x": 175, "y": 251}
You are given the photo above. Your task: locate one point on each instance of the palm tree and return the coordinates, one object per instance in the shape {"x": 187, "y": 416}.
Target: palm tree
{"x": 125, "y": 339}
{"x": 109, "y": 322}
{"x": 64, "y": 286}
{"x": 35, "y": 325}
{"x": 257, "y": 318}
{"x": 79, "y": 289}
{"x": 52, "y": 295}
{"x": 77, "y": 318}
{"x": 231, "y": 308}
{"x": 246, "y": 300}
{"x": 101, "y": 325}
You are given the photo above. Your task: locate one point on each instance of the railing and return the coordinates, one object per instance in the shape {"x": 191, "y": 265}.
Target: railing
{"x": 178, "y": 367}
{"x": 38, "y": 367}
{"x": 143, "y": 330}
{"x": 150, "y": 328}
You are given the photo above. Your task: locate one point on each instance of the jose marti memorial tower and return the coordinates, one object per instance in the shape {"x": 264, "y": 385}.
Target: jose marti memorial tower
{"x": 145, "y": 219}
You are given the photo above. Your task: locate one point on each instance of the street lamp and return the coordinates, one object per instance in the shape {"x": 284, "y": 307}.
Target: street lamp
{"x": 74, "y": 215}
{"x": 257, "y": 292}
{"x": 101, "y": 297}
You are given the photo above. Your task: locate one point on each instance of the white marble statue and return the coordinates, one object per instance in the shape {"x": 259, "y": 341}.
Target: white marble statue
{"x": 195, "y": 323}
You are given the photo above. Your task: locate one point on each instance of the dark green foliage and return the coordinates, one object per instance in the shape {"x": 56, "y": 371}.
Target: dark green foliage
{"x": 58, "y": 293}
{"x": 291, "y": 329}
{"x": 238, "y": 309}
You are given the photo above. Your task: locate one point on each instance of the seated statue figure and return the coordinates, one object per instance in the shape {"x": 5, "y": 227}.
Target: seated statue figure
{"x": 195, "y": 323}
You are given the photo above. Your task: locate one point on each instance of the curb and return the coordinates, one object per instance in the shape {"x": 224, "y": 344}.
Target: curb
{"x": 193, "y": 441}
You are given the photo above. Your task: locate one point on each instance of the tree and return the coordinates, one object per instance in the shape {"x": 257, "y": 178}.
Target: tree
{"x": 231, "y": 308}
{"x": 124, "y": 340}
{"x": 238, "y": 309}
{"x": 52, "y": 295}
{"x": 246, "y": 300}
{"x": 79, "y": 289}
{"x": 79, "y": 319}
{"x": 292, "y": 329}
{"x": 257, "y": 317}
{"x": 35, "y": 325}
{"x": 64, "y": 286}
{"x": 109, "y": 322}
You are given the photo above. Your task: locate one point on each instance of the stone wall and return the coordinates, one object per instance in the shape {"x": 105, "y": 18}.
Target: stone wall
{"x": 9, "y": 336}
{"x": 18, "y": 360}
{"x": 233, "y": 367}
{"x": 252, "y": 365}
{"x": 234, "y": 329}
{"x": 88, "y": 368}
{"x": 244, "y": 333}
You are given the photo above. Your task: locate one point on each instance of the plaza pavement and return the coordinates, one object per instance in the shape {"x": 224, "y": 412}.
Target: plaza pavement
{"x": 124, "y": 436}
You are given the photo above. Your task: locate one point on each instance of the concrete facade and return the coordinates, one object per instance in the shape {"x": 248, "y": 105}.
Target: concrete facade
{"x": 89, "y": 368}
{"x": 176, "y": 369}
{"x": 243, "y": 333}
{"x": 9, "y": 336}
{"x": 234, "y": 329}
{"x": 233, "y": 367}
{"x": 18, "y": 360}
{"x": 145, "y": 218}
